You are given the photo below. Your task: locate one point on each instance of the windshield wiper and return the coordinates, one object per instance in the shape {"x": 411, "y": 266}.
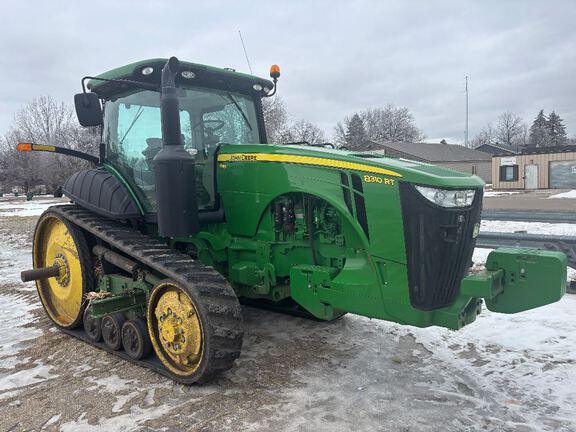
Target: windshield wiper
{"x": 136, "y": 117}
{"x": 239, "y": 110}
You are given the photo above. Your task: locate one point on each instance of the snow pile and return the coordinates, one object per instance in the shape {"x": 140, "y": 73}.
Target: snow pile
{"x": 569, "y": 194}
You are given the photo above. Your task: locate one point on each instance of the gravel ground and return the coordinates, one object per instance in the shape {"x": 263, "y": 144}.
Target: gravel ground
{"x": 500, "y": 374}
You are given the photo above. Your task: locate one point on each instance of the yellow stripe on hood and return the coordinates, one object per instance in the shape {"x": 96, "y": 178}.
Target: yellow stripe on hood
{"x": 304, "y": 160}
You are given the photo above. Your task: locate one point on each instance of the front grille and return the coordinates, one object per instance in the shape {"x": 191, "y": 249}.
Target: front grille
{"x": 439, "y": 246}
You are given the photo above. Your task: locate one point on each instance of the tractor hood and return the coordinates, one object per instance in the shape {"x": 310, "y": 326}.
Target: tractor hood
{"x": 367, "y": 163}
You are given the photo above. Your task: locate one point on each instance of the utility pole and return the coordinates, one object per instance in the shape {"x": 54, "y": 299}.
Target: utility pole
{"x": 466, "y": 132}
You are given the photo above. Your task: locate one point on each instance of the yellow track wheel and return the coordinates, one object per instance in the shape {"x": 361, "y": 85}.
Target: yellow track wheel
{"x": 175, "y": 328}
{"x": 57, "y": 241}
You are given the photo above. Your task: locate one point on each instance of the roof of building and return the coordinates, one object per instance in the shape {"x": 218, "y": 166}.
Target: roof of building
{"x": 544, "y": 150}
{"x": 430, "y": 152}
{"x": 498, "y": 149}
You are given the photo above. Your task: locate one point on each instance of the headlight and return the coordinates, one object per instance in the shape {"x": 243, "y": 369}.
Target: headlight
{"x": 447, "y": 197}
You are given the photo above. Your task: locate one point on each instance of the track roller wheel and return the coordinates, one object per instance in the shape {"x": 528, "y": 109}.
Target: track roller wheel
{"x": 58, "y": 242}
{"x": 135, "y": 339}
{"x": 112, "y": 330}
{"x": 92, "y": 326}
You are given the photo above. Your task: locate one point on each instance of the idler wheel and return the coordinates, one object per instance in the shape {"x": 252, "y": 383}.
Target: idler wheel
{"x": 92, "y": 326}
{"x": 135, "y": 339}
{"x": 112, "y": 330}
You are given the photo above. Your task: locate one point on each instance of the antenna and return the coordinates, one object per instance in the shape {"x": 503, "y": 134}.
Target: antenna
{"x": 466, "y": 132}
{"x": 245, "y": 53}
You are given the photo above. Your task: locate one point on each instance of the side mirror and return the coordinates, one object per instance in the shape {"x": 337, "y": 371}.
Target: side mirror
{"x": 88, "y": 109}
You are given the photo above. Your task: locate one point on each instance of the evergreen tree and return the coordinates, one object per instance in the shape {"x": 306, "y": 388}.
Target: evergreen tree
{"x": 556, "y": 130}
{"x": 355, "y": 132}
{"x": 539, "y": 131}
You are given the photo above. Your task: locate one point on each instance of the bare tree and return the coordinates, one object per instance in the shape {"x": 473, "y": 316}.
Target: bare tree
{"x": 394, "y": 124}
{"x": 340, "y": 133}
{"x": 275, "y": 118}
{"x": 24, "y": 170}
{"x": 391, "y": 123}
{"x": 511, "y": 130}
{"x": 303, "y": 130}
{"x": 485, "y": 136}
{"x": 44, "y": 121}
{"x": 278, "y": 128}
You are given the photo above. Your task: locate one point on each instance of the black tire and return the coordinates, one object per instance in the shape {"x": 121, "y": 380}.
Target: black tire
{"x": 92, "y": 326}
{"x": 135, "y": 339}
{"x": 112, "y": 330}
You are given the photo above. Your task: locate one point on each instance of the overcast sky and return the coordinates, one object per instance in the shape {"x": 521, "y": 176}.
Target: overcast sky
{"x": 336, "y": 57}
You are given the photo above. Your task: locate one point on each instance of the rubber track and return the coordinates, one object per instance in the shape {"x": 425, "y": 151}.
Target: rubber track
{"x": 216, "y": 297}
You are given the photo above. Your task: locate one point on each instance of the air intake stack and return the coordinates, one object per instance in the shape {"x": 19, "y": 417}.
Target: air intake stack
{"x": 174, "y": 166}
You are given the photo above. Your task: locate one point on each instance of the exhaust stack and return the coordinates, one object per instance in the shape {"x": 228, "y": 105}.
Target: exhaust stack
{"x": 174, "y": 166}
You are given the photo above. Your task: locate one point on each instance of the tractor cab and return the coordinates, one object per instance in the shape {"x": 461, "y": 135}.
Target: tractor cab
{"x": 216, "y": 106}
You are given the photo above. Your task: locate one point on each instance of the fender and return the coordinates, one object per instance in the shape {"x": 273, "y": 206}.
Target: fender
{"x": 99, "y": 191}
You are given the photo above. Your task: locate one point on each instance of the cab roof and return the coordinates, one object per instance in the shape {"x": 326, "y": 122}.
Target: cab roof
{"x": 203, "y": 76}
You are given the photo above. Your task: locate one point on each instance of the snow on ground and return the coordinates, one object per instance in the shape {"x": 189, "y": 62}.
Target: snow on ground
{"x": 569, "y": 194}
{"x": 531, "y": 354}
{"x": 20, "y": 207}
{"x": 499, "y": 193}
{"x": 16, "y": 330}
{"x": 15, "y": 314}
{"x": 503, "y": 372}
{"x": 17, "y": 320}
{"x": 565, "y": 229}
{"x": 131, "y": 421}
{"x": 12, "y": 262}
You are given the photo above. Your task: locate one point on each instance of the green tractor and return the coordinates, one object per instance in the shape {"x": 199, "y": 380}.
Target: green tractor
{"x": 189, "y": 212}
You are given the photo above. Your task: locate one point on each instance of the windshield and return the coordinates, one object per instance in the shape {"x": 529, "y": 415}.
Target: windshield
{"x": 208, "y": 117}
